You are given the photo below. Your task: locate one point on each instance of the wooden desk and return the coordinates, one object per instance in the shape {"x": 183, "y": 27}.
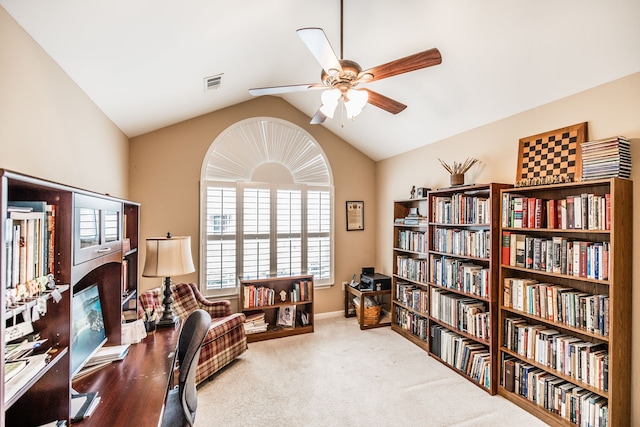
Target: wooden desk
{"x": 133, "y": 391}
{"x": 350, "y": 292}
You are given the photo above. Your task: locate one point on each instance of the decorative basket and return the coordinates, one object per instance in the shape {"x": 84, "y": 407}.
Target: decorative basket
{"x": 371, "y": 314}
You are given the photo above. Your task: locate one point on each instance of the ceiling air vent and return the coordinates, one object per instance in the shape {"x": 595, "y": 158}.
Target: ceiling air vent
{"x": 212, "y": 82}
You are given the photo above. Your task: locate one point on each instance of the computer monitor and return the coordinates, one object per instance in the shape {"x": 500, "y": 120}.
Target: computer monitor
{"x": 87, "y": 332}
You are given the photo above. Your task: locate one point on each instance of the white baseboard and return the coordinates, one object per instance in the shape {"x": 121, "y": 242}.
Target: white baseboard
{"x": 329, "y": 314}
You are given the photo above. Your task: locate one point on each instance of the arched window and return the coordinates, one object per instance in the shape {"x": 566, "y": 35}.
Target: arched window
{"x": 266, "y": 205}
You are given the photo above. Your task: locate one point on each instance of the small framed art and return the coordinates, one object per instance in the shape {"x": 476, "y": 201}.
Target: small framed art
{"x": 355, "y": 215}
{"x": 287, "y": 316}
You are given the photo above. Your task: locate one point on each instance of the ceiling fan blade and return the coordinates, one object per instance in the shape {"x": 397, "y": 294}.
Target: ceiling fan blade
{"x": 383, "y": 102}
{"x": 285, "y": 89}
{"x": 409, "y": 63}
{"x": 317, "y": 42}
{"x": 318, "y": 118}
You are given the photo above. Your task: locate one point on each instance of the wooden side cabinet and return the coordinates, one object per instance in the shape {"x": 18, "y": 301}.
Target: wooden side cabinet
{"x": 283, "y": 304}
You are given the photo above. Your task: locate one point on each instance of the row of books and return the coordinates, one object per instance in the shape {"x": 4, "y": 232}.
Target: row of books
{"x": 460, "y": 275}
{"x": 583, "y": 361}
{"x": 412, "y": 296}
{"x": 258, "y": 296}
{"x": 556, "y": 255}
{"x": 606, "y": 158}
{"x": 558, "y": 396}
{"x": 412, "y": 322}
{"x": 461, "y": 209}
{"x": 467, "y": 315}
{"x": 412, "y": 268}
{"x": 558, "y": 304}
{"x": 462, "y": 353}
{"x": 30, "y": 234}
{"x": 585, "y": 211}
{"x": 416, "y": 241}
{"x": 255, "y": 322}
{"x": 301, "y": 291}
{"x": 471, "y": 243}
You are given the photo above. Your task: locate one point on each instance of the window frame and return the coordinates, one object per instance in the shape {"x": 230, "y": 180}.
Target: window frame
{"x": 241, "y": 155}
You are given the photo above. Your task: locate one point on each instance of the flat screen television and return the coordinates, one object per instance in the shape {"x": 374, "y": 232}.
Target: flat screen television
{"x": 87, "y": 331}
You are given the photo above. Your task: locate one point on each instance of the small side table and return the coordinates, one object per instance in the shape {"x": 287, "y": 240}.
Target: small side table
{"x": 351, "y": 292}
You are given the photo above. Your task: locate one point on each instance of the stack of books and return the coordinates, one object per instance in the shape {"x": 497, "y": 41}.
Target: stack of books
{"x": 413, "y": 218}
{"x": 606, "y": 158}
{"x": 103, "y": 357}
{"x": 255, "y": 323}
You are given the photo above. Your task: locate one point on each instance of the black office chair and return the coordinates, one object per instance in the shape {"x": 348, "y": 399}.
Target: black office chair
{"x": 180, "y": 409}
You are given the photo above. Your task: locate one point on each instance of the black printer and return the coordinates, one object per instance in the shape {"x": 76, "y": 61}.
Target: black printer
{"x": 374, "y": 282}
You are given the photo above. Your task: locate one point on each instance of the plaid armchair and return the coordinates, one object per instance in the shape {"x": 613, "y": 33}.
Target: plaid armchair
{"x": 225, "y": 339}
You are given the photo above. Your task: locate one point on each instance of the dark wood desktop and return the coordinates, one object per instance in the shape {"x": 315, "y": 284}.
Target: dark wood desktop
{"x": 133, "y": 391}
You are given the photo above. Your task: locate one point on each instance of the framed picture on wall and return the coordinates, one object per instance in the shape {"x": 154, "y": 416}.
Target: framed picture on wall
{"x": 355, "y": 215}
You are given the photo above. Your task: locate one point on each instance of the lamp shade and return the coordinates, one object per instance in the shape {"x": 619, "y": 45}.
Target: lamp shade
{"x": 168, "y": 256}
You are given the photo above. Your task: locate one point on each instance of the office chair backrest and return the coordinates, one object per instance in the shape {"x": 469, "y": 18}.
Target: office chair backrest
{"x": 191, "y": 337}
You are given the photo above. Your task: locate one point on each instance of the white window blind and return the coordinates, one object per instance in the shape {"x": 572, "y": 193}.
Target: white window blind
{"x": 257, "y": 232}
{"x": 220, "y": 249}
{"x": 319, "y": 233}
{"x": 289, "y": 233}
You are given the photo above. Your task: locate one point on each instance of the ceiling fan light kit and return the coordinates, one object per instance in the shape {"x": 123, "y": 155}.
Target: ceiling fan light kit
{"x": 352, "y": 100}
{"x": 340, "y": 77}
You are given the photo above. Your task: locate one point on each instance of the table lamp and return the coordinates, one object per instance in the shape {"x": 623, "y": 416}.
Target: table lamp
{"x": 166, "y": 257}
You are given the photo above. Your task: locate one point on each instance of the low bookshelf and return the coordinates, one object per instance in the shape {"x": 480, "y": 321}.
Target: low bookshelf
{"x": 277, "y": 306}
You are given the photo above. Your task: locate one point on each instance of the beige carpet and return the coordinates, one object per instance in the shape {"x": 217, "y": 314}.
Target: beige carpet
{"x": 341, "y": 376}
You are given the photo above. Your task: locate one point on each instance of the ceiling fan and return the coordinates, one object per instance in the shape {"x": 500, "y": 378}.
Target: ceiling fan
{"x": 341, "y": 77}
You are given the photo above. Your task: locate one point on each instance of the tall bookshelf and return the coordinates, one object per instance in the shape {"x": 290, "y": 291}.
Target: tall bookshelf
{"x": 463, "y": 277}
{"x": 409, "y": 288}
{"x": 576, "y": 342}
{"x": 73, "y": 259}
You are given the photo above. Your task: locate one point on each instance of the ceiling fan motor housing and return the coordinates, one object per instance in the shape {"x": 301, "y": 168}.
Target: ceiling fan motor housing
{"x": 344, "y": 79}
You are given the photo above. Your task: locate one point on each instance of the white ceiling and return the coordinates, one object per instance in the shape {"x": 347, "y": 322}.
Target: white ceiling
{"x": 143, "y": 61}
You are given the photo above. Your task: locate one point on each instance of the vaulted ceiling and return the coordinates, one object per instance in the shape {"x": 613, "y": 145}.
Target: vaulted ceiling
{"x": 144, "y": 62}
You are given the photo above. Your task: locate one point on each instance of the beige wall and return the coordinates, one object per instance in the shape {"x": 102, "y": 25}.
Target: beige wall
{"x": 49, "y": 127}
{"x": 611, "y": 109}
{"x": 165, "y": 170}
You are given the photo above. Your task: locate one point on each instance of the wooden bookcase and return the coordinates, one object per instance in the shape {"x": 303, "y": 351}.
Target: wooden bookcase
{"x": 270, "y": 302}
{"x": 422, "y": 288}
{"x": 587, "y": 313}
{"x": 410, "y": 251}
{"x": 130, "y": 261}
{"x": 74, "y": 262}
{"x": 464, "y": 246}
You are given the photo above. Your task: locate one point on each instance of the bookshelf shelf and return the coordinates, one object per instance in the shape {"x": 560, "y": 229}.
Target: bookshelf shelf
{"x": 299, "y": 292}
{"x": 563, "y": 312}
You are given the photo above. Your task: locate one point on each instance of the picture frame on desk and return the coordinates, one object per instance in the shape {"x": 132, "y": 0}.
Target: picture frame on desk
{"x": 355, "y": 215}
